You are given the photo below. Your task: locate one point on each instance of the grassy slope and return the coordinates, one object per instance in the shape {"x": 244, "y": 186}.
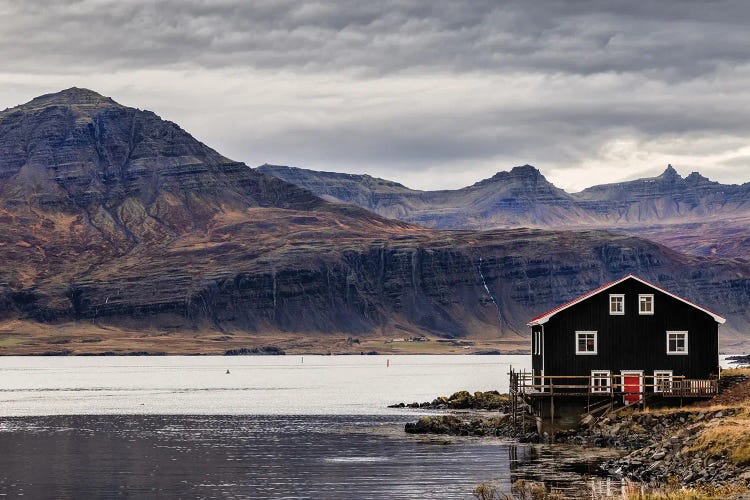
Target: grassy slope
{"x": 19, "y": 337}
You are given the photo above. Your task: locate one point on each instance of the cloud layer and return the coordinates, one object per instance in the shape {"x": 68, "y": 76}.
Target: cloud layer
{"x": 433, "y": 94}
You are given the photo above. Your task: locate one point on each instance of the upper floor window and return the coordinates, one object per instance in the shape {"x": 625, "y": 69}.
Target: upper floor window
{"x": 677, "y": 342}
{"x": 646, "y": 304}
{"x": 600, "y": 381}
{"x": 586, "y": 343}
{"x": 616, "y": 304}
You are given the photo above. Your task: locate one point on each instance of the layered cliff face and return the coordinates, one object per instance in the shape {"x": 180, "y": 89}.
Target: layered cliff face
{"x": 665, "y": 197}
{"x": 521, "y": 197}
{"x": 112, "y": 216}
{"x": 679, "y": 212}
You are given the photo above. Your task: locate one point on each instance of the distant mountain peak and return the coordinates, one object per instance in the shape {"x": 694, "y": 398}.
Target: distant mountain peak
{"x": 697, "y": 178}
{"x": 74, "y": 96}
{"x": 670, "y": 173}
{"x": 519, "y": 172}
{"x": 526, "y": 170}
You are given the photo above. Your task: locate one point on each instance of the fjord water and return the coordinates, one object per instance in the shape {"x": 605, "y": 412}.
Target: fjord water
{"x": 273, "y": 427}
{"x": 255, "y": 385}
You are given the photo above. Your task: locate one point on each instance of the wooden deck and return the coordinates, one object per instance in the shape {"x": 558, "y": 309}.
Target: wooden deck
{"x": 528, "y": 392}
{"x": 526, "y": 384}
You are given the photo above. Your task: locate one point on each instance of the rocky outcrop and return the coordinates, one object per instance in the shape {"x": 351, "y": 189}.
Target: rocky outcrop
{"x": 464, "y": 400}
{"x": 462, "y": 425}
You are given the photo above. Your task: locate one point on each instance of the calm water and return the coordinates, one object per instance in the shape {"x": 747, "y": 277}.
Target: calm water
{"x": 257, "y": 385}
{"x": 274, "y": 427}
{"x": 234, "y": 456}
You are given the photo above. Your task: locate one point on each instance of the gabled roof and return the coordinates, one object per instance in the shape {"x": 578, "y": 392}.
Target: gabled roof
{"x": 543, "y": 318}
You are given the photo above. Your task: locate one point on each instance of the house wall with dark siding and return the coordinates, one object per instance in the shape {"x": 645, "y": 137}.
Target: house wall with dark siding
{"x": 631, "y": 341}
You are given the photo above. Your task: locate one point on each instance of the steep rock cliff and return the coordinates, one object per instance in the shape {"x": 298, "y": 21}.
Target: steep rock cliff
{"x": 111, "y": 215}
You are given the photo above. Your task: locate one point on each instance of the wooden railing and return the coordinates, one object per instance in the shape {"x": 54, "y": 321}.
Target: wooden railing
{"x": 526, "y": 383}
{"x": 693, "y": 387}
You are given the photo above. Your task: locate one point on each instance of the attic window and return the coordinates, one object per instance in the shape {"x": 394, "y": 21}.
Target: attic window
{"x": 645, "y": 304}
{"x": 677, "y": 342}
{"x": 586, "y": 343}
{"x": 616, "y": 304}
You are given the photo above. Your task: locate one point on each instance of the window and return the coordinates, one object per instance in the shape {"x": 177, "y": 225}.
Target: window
{"x": 537, "y": 343}
{"x": 662, "y": 380}
{"x": 645, "y": 304}
{"x": 600, "y": 381}
{"x": 616, "y": 304}
{"x": 585, "y": 342}
{"x": 677, "y": 342}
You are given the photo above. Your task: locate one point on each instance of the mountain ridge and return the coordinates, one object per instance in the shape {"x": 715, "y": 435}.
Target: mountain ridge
{"x": 653, "y": 207}
{"x": 113, "y": 218}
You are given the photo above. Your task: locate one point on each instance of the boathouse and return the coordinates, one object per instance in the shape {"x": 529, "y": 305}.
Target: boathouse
{"x": 627, "y": 342}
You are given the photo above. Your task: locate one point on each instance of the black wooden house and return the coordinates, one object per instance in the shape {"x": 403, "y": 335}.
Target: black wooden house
{"x": 624, "y": 342}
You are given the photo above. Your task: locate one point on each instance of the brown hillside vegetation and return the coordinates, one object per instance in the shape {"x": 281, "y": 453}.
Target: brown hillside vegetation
{"x": 120, "y": 222}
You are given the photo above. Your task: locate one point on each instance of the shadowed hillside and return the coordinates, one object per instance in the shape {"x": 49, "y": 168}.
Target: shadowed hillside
{"x": 112, "y": 217}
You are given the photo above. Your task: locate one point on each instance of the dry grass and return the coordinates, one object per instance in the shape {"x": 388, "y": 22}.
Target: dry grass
{"x": 10, "y": 342}
{"x": 674, "y": 491}
{"x": 521, "y": 490}
{"x": 730, "y": 437}
{"x": 729, "y": 372}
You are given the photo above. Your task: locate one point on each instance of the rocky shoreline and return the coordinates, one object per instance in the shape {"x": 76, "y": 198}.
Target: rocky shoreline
{"x": 704, "y": 447}
{"x": 663, "y": 447}
{"x": 462, "y": 425}
{"x": 464, "y": 400}
{"x": 477, "y": 414}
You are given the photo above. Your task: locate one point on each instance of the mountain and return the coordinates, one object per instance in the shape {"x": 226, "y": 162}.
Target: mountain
{"x": 666, "y": 197}
{"x": 119, "y": 231}
{"x": 521, "y": 197}
{"x": 676, "y": 211}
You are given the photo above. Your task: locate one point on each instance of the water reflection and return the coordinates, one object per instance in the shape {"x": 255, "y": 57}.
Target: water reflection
{"x": 248, "y": 457}
{"x": 572, "y": 471}
{"x": 259, "y": 457}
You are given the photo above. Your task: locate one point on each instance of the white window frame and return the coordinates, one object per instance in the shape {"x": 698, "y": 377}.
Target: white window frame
{"x": 677, "y": 332}
{"x": 644, "y": 296}
{"x": 601, "y": 375}
{"x": 536, "y": 350}
{"x": 596, "y": 343}
{"x": 616, "y": 296}
{"x": 662, "y": 375}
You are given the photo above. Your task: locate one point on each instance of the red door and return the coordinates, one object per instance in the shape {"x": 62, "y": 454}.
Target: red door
{"x": 632, "y": 388}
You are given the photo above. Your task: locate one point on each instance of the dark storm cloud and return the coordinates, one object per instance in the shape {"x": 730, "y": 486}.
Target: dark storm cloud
{"x": 421, "y": 90}
{"x": 670, "y": 38}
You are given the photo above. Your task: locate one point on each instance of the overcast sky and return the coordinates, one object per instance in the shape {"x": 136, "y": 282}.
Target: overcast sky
{"x": 434, "y": 94}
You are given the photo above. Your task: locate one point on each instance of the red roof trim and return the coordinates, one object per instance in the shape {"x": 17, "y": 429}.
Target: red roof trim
{"x": 543, "y": 318}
